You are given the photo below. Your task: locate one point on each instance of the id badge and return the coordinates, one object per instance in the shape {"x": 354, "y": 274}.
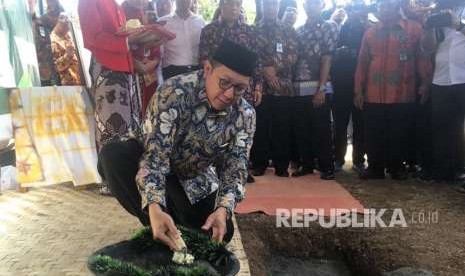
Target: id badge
{"x": 403, "y": 56}
{"x": 279, "y": 47}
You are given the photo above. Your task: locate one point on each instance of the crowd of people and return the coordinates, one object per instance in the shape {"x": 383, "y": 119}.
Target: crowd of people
{"x": 389, "y": 84}
{"x": 228, "y": 90}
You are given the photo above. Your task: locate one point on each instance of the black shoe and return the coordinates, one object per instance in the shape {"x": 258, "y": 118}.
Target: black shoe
{"x": 426, "y": 176}
{"x": 401, "y": 175}
{"x": 460, "y": 177}
{"x": 368, "y": 174}
{"x": 328, "y": 175}
{"x": 250, "y": 179}
{"x": 358, "y": 167}
{"x": 412, "y": 168}
{"x": 294, "y": 165}
{"x": 461, "y": 171}
{"x": 281, "y": 173}
{"x": 104, "y": 190}
{"x": 461, "y": 189}
{"x": 259, "y": 172}
{"x": 302, "y": 171}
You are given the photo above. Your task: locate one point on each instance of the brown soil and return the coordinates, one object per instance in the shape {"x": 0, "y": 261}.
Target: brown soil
{"x": 438, "y": 247}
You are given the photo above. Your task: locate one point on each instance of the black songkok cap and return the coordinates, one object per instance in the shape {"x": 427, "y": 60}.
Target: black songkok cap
{"x": 236, "y": 57}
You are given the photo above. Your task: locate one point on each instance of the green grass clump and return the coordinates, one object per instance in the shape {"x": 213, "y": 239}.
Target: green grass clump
{"x": 105, "y": 264}
{"x": 109, "y": 266}
{"x": 198, "y": 243}
{"x": 198, "y": 270}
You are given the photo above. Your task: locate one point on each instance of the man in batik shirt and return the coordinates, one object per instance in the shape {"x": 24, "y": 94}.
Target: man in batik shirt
{"x": 197, "y": 136}
{"x": 64, "y": 53}
{"x": 385, "y": 88}
{"x": 277, "y": 48}
{"x": 317, "y": 43}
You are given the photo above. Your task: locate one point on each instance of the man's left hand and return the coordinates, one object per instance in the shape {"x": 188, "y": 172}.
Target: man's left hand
{"x": 318, "y": 99}
{"x": 423, "y": 91}
{"x": 258, "y": 94}
{"x": 217, "y": 222}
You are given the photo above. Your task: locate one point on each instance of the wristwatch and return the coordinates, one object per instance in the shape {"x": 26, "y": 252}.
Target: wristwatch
{"x": 322, "y": 89}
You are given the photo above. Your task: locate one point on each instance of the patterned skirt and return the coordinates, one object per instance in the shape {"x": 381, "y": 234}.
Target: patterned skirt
{"x": 117, "y": 102}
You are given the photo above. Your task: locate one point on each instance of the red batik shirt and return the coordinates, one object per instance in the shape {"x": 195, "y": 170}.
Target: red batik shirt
{"x": 388, "y": 61}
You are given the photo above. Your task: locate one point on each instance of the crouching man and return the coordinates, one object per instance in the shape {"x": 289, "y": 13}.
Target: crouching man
{"x": 192, "y": 165}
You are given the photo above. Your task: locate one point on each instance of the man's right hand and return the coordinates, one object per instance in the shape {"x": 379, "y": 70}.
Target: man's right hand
{"x": 358, "y": 100}
{"x": 163, "y": 227}
{"x": 271, "y": 78}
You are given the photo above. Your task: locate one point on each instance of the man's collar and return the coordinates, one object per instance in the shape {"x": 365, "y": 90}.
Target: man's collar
{"x": 264, "y": 22}
{"x": 401, "y": 22}
{"x": 175, "y": 15}
{"x": 211, "y": 112}
{"x": 223, "y": 23}
{"x": 317, "y": 22}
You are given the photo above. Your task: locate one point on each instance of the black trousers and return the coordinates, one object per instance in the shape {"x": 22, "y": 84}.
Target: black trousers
{"x": 312, "y": 127}
{"x": 386, "y": 128}
{"x": 293, "y": 147}
{"x": 272, "y": 133}
{"x": 118, "y": 165}
{"x": 260, "y": 152}
{"x": 173, "y": 70}
{"x": 420, "y": 134}
{"x": 448, "y": 124}
{"x": 343, "y": 110}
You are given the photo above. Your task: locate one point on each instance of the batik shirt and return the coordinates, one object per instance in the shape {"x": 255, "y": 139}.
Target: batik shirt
{"x": 316, "y": 39}
{"x": 388, "y": 60}
{"x": 277, "y": 47}
{"x": 240, "y": 33}
{"x": 212, "y": 35}
{"x": 206, "y": 150}
{"x": 66, "y": 65}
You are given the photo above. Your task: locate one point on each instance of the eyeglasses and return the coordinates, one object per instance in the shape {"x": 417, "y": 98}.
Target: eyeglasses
{"x": 239, "y": 89}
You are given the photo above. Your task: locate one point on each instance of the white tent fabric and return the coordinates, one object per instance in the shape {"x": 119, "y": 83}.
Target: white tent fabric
{"x": 54, "y": 136}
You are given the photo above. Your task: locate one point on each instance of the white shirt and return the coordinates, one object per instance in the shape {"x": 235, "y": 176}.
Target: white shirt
{"x": 450, "y": 59}
{"x": 184, "y": 49}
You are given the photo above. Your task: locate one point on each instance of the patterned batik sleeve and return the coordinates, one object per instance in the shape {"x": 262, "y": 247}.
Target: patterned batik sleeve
{"x": 330, "y": 37}
{"x": 233, "y": 172}
{"x": 159, "y": 128}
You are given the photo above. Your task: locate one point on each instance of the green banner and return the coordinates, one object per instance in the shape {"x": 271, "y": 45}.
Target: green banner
{"x": 18, "y": 46}
{"x": 4, "y": 106}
